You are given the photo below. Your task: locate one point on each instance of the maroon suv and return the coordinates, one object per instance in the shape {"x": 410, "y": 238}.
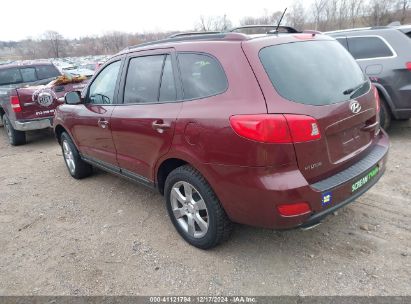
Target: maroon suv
{"x": 275, "y": 130}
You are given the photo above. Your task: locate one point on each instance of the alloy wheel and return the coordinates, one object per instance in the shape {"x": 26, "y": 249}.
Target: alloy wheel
{"x": 69, "y": 157}
{"x": 189, "y": 209}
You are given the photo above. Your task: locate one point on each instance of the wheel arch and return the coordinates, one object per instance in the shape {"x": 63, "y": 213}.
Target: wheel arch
{"x": 387, "y": 98}
{"x": 165, "y": 168}
{"x": 58, "y": 130}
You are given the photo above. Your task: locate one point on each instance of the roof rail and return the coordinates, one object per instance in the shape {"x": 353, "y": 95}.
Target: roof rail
{"x": 192, "y": 34}
{"x": 287, "y": 29}
{"x": 199, "y": 36}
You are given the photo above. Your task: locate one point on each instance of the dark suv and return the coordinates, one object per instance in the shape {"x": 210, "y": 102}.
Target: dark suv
{"x": 384, "y": 54}
{"x": 275, "y": 130}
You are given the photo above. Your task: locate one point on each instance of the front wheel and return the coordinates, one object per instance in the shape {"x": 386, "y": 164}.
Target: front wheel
{"x": 77, "y": 167}
{"x": 16, "y": 138}
{"x": 195, "y": 210}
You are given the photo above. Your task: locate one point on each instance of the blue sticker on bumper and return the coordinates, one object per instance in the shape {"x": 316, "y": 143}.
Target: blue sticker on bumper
{"x": 327, "y": 198}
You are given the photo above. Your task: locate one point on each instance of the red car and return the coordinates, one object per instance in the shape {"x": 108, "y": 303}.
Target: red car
{"x": 29, "y": 93}
{"x": 274, "y": 131}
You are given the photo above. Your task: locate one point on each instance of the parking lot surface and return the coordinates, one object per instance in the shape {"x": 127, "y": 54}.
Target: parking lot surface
{"x": 107, "y": 236}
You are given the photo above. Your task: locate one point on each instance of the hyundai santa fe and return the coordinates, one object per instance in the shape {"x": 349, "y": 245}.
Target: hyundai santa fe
{"x": 275, "y": 130}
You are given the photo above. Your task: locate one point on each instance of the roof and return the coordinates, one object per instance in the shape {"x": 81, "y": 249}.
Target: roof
{"x": 229, "y": 35}
{"x": 374, "y": 28}
{"x": 186, "y": 38}
{"x": 26, "y": 63}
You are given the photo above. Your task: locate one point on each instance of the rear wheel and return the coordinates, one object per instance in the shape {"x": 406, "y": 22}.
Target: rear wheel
{"x": 16, "y": 138}
{"x": 75, "y": 165}
{"x": 195, "y": 210}
{"x": 385, "y": 114}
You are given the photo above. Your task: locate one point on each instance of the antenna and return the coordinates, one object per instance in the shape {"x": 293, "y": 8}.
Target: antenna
{"x": 279, "y": 22}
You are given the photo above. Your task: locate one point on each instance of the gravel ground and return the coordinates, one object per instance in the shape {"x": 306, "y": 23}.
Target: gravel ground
{"x": 107, "y": 236}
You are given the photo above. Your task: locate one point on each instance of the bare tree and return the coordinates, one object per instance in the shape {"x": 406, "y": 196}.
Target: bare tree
{"x": 379, "y": 12}
{"x": 213, "y": 23}
{"x": 354, "y": 11}
{"x": 403, "y": 6}
{"x": 318, "y": 8}
{"x": 296, "y": 16}
{"x": 55, "y": 41}
{"x": 267, "y": 18}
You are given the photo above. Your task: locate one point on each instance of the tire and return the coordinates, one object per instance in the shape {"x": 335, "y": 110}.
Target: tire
{"x": 16, "y": 138}
{"x": 209, "y": 223}
{"x": 76, "y": 166}
{"x": 385, "y": 114}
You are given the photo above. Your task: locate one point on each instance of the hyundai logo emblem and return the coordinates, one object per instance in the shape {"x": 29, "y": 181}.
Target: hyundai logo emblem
{"x": 355, "y": 106}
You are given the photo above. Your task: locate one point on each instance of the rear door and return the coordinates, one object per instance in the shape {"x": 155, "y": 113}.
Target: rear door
{"x": 143, "y": 125}
{"x": 321, "y": 80}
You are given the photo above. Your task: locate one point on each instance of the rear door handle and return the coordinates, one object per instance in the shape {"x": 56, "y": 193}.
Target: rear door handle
{"x": 102, "y": 123}
{"x": 160, "y": 126}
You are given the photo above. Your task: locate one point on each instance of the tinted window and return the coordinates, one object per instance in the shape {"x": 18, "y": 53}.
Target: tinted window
{"x": 28, "y": 74}
{"x": 201, "y": 75}
{"x": 312, "y": 72}
{"x": 343, "y": 42}
{"x": 103, "y": 87}
{"x": 143, "y": 79}
{"x": 167, "y": 87}
{"x": 368, "y": 47}
{"x": 10, "y": 76}
{"x": 47, "y": 71}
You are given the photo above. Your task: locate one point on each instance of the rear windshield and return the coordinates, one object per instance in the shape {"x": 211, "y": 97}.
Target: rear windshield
{"x": 10, "y": 76}
{"x": 47, "y": 71}
{"x": 27, "y": 74}
{"x": 313, "y": 72}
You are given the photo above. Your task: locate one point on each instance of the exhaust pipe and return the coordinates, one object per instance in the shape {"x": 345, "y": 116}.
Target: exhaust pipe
{"x": 310, "y": 226}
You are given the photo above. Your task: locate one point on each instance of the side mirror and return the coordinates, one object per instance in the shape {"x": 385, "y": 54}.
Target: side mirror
{"x": 72, "y": 98}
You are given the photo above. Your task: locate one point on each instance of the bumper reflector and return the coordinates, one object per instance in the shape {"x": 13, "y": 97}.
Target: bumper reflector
{"x": 294, "y": 209}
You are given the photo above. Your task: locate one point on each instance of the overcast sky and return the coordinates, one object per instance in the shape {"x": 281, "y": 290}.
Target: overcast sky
{"x": 74, "y": 18}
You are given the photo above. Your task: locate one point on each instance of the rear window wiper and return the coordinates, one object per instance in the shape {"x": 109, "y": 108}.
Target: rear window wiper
{"x": 355, "y": 89}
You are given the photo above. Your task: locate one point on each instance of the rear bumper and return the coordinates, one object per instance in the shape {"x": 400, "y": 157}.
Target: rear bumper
{"x": 251, "y": 195}
{"x": 35, "y": 124}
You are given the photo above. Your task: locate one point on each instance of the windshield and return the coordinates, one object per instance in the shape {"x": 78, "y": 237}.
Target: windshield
{"x": 314, "y": 72}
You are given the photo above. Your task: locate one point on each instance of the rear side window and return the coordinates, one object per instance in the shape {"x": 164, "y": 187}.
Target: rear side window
{"x": 343, "y": 42}
{"x": 143, "y": 79}
{"x": 368, "y": 47}
{"x": 167, "y": 86}
{"x": 28, "y": 74}
{"x": 47, "y": 71}
{"x": 312, "y": 72}
{"x": 10, "y": 76}
{"x": 202, "y": 76}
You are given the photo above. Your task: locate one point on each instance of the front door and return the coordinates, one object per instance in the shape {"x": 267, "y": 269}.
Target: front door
{"x": 92, "y": 129}
{"x": 143, "y": 126}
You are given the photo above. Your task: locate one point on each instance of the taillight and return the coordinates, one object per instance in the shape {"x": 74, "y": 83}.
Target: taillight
{"x": 294, "y": 209}
{"x": 303, "y": 128}
{"x": 408, "y": 66}
{"x": 15, "y": 103}
{"x": 276, "y": 128}
{"x": 262, "y": 127}
{"x": 377, "y": 100}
